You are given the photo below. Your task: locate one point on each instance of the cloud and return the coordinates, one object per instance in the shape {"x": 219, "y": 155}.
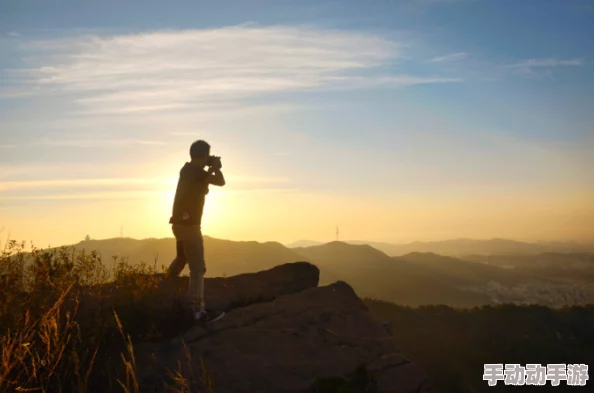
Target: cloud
{"x": 7, "y": 92}
{"x": 185, "y": 69}
{"x": 542, "y": 67}
{"x": 125, "y": 142}
{"x": 387, "y": 81}
{"x": 530, "y": 63}
{"x": 57, "y": 183}
{"x": 89, "y": 195}
{"x": 448, "y": 58}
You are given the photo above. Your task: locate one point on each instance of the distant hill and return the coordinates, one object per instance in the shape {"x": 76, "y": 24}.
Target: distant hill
{"x": 374, "y": 274}
{"x": 343, "y": 256}
{"x": 223, "y": 257}
{"x": 462, "y": 273}
{"x": 463, "y": 247}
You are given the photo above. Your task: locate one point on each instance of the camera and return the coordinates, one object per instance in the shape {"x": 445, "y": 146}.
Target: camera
{"x": 212, "y": 160}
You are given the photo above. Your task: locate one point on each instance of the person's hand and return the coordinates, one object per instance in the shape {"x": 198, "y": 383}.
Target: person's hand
{"x": 216, "y": 163}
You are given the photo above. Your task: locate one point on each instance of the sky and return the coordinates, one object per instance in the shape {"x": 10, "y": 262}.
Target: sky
{"x": 396, "y": 120}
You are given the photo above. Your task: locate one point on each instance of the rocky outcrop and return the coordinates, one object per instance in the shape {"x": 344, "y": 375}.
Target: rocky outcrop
{"x": 149, "y": 304}
{"x": 243, "y": 289}
{"x": 289, "y": 344}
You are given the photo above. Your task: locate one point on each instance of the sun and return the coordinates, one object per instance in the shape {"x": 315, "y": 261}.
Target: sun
{"x": 213, "y": 215}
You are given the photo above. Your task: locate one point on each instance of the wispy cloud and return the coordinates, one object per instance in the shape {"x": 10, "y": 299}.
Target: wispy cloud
{"x": 448, "y": 58}
{"x": 542, "y": 67}
{"x": 59, "y": 183}
{"x": 124, "y": 142}
{"x": 89, "y": 195}
{"x": 166, "y": 70}
{"x": 531, "y": 63}
{"x": 7, "y": 92}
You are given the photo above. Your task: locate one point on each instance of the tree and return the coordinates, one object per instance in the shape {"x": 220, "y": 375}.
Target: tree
{"x": 87, "y": 238}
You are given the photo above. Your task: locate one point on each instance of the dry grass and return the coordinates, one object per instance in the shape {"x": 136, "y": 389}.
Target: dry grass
{"x": 47, "y": 346}
{"x": 190, "y": 380}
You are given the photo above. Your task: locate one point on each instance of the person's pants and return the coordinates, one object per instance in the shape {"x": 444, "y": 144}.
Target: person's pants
{"x": 190, "y": 250}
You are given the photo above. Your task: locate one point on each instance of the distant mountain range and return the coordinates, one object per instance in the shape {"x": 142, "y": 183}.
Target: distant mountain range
{"x": 412, "y": 279}
{"x": 464, "y": 247}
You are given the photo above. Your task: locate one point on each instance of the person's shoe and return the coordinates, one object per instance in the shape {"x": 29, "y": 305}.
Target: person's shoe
{"x": 208, "y": 316}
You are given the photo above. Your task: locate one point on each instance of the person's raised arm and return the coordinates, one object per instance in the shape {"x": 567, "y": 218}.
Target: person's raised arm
{"x": 215, "y": 177}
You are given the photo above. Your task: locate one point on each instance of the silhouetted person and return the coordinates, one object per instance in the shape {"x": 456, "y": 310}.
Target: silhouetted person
{"x": 186, "y": 219}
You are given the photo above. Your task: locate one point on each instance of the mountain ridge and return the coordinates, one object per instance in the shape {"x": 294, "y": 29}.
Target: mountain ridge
{"x": 466, "y": 246}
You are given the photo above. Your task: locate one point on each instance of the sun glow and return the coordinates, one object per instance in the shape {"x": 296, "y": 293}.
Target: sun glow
{"x": 216, "y": 207}
{"x": 213, "y": 218}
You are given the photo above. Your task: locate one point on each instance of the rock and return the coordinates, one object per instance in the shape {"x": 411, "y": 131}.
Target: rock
{"x": 285, "y": 346}
{"x": 249, "y": 288}
{"x": 227, "y": 293}
{"x": 158, "y": 305}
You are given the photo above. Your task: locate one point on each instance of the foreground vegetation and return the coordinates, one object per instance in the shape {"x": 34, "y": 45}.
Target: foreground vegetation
{"x": 452, "y": 345}
{"x": 67, "y": 323}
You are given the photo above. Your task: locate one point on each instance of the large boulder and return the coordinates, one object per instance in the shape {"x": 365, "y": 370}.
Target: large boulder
{"x": 243, "y": 289}
{"x": 287, "y": 345}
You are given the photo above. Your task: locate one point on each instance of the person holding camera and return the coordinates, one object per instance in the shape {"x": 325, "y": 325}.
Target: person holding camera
{"x": 186, "y": 219}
